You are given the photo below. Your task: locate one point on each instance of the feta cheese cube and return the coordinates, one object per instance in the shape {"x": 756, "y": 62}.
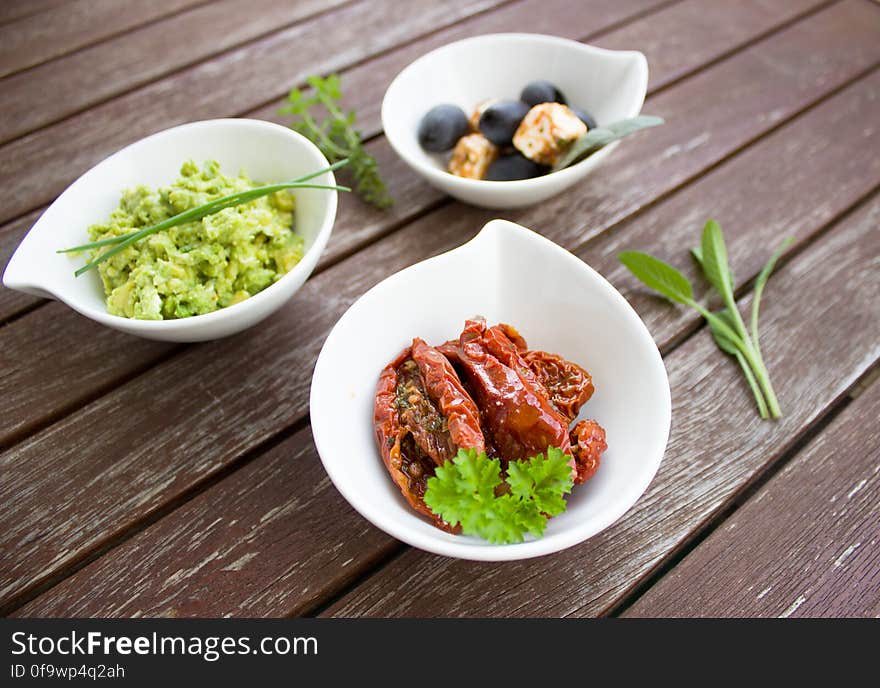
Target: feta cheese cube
{"x": 546, "y": 132}
{"x": 472, "y": 156}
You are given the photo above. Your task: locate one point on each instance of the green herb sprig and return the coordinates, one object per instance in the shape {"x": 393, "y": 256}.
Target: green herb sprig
{"x": 468, "y": 490}
{"x": 123, "y": 241}
{"x": 336, "y": 136}
{"x": 599, "y": 137}
{"x": 727, "y": 326}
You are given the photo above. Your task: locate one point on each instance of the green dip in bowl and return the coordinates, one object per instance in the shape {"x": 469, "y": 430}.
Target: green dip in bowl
{"x": 201, "y": 266}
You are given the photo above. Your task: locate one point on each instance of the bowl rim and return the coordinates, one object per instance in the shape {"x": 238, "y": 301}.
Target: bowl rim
{"x": 467, "y": 549}
{"x": 221, "y": 315}
{"x": 560, "y": 177}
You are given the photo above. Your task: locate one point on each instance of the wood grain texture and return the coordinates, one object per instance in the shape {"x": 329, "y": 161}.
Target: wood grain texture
{"x": 249, "y": 550}
{"x": 364, "y": 85}
{"x": 259, "y": 71}
{"x": 702, "y": 470}
{"x": 808, "y": 211}
{"x": 136, "y": 57}
{"x": 715, "y": 27}
{"x": 39, "y": 37}
{"x": 806, "y": 544}
{"x": 16, "y": 9}
{"x": 43, "y": 374}
{"x": 618, "y": 191}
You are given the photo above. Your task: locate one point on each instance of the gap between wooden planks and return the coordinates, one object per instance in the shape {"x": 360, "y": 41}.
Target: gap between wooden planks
{"x": 671, "y": 55}
{"x": 18, "y": 9}
{"x": 266, "y": 68}
{"x": 213, "y": 437}
{"x": 613, "y": 195}
{"x": 140, "y": 55}
{"x": 40, "y": 37}
{"x": 806, "y": 544}
{"x": 130, "y": 568}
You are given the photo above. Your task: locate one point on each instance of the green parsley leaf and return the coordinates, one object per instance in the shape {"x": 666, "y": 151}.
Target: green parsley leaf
{"x": 465, "y": 491}
{"x": 542, "y": 480}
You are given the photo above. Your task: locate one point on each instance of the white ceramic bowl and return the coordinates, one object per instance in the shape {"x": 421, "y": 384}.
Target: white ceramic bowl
{"x": 609, "y": 84}
{"x": 508, "y": 274}
{"x": 266, "y": 152}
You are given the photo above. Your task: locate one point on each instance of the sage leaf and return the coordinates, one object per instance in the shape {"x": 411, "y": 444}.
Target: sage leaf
{"x": 601, "y": 136}
{"x": 760, "y": 283}
{"x": 659, "y": 276}
{"x": 713, "y": 253}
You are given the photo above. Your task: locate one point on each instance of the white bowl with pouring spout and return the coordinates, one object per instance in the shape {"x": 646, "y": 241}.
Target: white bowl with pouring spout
{"x": 509, "y": 274}
{"x": 609, "y": 84}
{"x": 267, "y": 152}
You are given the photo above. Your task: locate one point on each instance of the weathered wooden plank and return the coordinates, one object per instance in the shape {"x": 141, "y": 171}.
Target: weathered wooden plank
{"x": 715, "y": 27}
{"x": 16, "y": 9}
{"x": 250, "y": 403}
{"x": 41, "y": 366}
{"x": 622, "y": 195}
{"x": 781, "y": 153}
{"x": 120, "y": 64}
{"x": 718, "y": 445}
{"x": 806, "y": 544}
{"x": 671, "y": 51}
{"x": 258, "y": 71}
{"x": 35, "y": 38}
{"x": 249, "y": 548}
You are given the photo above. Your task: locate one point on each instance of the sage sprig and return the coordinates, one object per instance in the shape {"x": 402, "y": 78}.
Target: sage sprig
{"x": 123, "y": 241}
{"x": 727, "y": 326}
{"x": 596, "y": 138}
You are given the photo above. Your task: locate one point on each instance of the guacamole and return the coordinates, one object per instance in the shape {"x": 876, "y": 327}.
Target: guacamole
{"x": 201, "y": 266}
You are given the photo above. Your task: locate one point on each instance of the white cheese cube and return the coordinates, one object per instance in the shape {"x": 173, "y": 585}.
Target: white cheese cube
{"x": 472, "y": 156}
{"x": 546, "y": 132}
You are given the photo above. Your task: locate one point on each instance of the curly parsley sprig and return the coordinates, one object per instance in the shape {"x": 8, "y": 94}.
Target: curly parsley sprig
{"x": 469, "y": 490}
{"x": 336, "y": 136}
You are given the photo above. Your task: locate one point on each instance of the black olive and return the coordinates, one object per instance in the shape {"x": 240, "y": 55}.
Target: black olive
{"x": 500, "y": 120}
{"x": 585, "y": 117}
{"x": 442, "y": 127}
{"x": 537, "y": 92}
{"x": 514, "y": 166}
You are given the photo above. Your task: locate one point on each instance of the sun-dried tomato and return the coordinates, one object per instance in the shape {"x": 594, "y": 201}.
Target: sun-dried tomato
{"x": 569, "y": 385}
{"x": 516, "y": 411}
{"x": 422, "y": 416}
{"x": 587, "y": 445}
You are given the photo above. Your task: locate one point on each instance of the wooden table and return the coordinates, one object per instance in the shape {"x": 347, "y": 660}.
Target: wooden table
{"x": 148, "y": 479}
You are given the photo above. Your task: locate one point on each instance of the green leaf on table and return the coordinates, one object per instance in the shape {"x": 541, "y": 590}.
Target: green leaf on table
{"x": 659, "y": 276}
{"x": 761, "y": 282}
{"x": 601, "y": 136}
{"x": 697, "y": 253}
{"x": 725, "y": 343}
{"x": 713, "y": 259}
